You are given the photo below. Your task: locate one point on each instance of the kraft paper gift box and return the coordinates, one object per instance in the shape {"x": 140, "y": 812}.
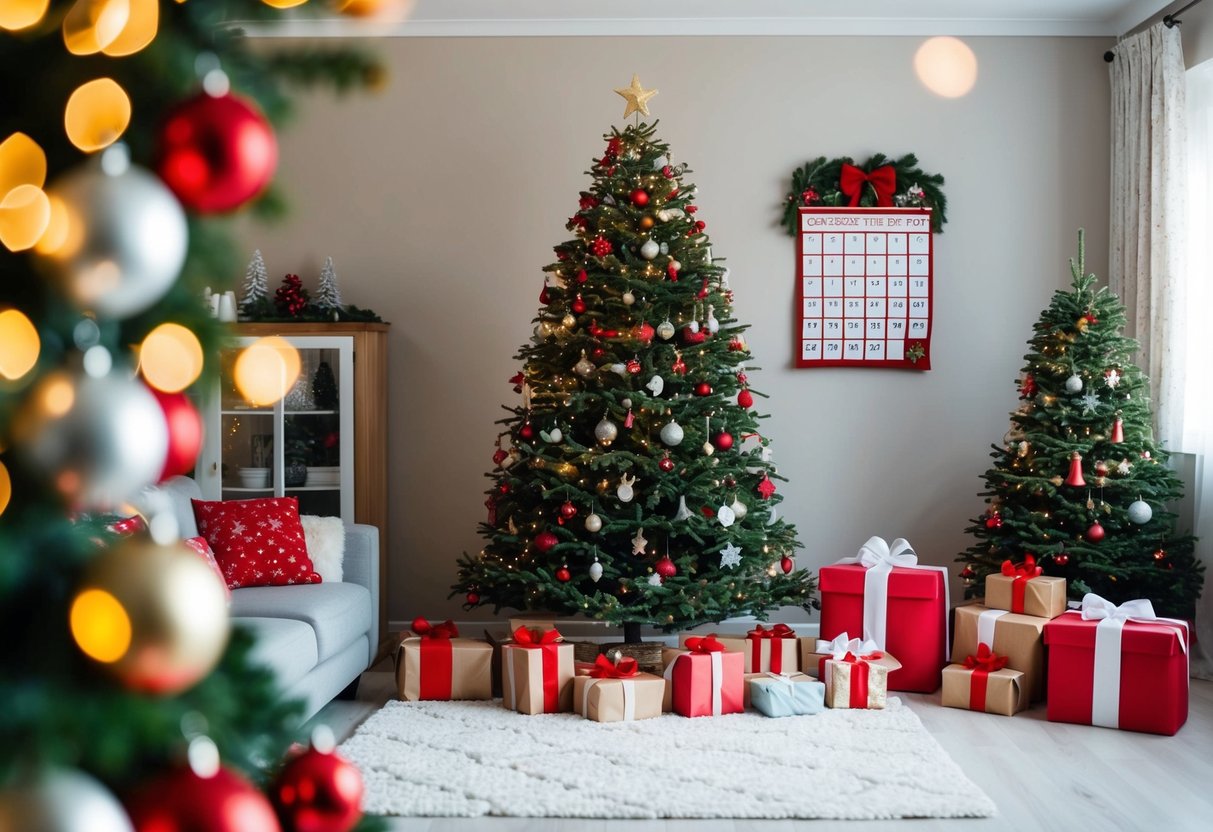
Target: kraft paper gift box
{"x": 883, "y": 594}
{"x": 855, "y": 683}
{"x": 617, "y": 692}
{"x": 984, "y": 683}
{"x": 1021, "y": 588}
{"x": 1018, "y": 637}
{"x": 435, "y": 664}
{"x": 537, "y": 672}
{"x": 773, "y": 650}
{"x": 1118, "y": 667}
{"x": 706, "y": 680}
{"x": 668, "y": 654}
{"x": 777, "y": 695}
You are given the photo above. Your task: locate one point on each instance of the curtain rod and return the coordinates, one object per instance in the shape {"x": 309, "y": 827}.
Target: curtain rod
{"x": 1169, "y": 20}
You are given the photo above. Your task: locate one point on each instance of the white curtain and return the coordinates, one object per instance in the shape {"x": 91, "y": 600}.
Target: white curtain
{"x": 1148, "y": 209}
{"x": 1198, "y": 391}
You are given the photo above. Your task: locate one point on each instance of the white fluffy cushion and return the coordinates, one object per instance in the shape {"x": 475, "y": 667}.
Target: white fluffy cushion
{"x": 325, "y": 537}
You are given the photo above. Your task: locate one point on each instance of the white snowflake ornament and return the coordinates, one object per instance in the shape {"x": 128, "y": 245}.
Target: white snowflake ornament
{"x": 730, "y": 556}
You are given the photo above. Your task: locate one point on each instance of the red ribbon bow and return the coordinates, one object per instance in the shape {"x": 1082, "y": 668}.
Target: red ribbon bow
{"x": 986, "y": 660}
{"x": 425, "y": 629}
{"x": 778, "y": 631}
{"x": 761, "y": 633}
{"x": 1022, "y": 573}
{"x": 705, "y": 644}
{"x": 604, "y": 668}
{"x": 526, "y": 637}
{"x": 883, "y": 181}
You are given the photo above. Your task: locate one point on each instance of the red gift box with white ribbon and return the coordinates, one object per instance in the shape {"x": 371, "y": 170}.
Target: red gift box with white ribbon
{"x": 1118, "y": 667}
{"x": 899, "y": 605}
{"x": 706, "y": 680}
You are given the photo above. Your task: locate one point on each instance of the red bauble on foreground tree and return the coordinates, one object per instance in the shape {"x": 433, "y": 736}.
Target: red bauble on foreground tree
{"x": 319, "y": 791}
{"x": 184, "y": 433}
{"x": 182, "y": 801}
{"x": 216, "y": 152}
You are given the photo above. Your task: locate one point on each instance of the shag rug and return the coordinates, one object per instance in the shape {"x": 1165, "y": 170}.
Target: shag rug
{"x": 465, "y": 759}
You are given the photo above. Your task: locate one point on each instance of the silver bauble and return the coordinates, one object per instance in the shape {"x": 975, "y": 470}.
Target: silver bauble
{"x": 1074, "y": 383}
{"x": 606, "y": 431}
{"x": 98, "y": 441}
{"x": 628, "y": 298}
{"x": 649, "y": 249}
{"x": 665, "y": 330}
{"x": 1140, "y": 512}
{"x": 739, "y": 509}
{"x": 61, "y": 800}
{"x": 126, "y": 240}
{"x": 584, "y": 367}
{"x": 593, "y": 523}
{"x": 671, "y": 434}
{"x": 595, "y": 571}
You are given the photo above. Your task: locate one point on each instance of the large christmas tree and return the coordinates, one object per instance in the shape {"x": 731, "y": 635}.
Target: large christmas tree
{"x": 1080, "y": 482}
{"x": 632, "y": 483}
{"x": 118, "y": 650}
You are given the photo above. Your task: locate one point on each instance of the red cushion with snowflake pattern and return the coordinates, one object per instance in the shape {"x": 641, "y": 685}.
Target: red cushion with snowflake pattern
{"x": 257, "y": 542}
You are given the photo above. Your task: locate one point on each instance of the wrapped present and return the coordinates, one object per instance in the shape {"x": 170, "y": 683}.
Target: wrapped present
{"x": 617, "y": 692}
{"x": 785, "y": 694}
{"x": 706, "y": 680}
{"x": 434, "y": 663}
{"x": 984, "y": 683}
{"x": 542, "y": 621}
{"x": 1118, "y": 667}
{"x": 840, "y": 646}
{"x": 537, "y": 670}
{"x": 773, "y": 650}
{"x": 855, "y": 682}
{"x": 885, "y": 595}
{"x": 668, "y": 654}
{"x": 1022, "y": 588}
{"x": 1018, "y": 637}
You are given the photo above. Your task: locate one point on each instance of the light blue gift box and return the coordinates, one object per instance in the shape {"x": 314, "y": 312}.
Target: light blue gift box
{"x": 795, "y": 695}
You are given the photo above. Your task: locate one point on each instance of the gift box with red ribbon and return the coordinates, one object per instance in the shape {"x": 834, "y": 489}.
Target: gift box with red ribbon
{"x": 434, "y": 663}
{"x": 886, "y": 596}
{"x": 1022, "y": 588}
{"x": 705, "y": 679}
{"x": 766, "y": 650}
{"x": 1018, "y": 637}
{"x": 856, "y": 681}
{"x": 537, "y": 672}
{"x": 984, "y": 683}
{"x": 1118, "y": 667}
{"x": 617, "y": 692}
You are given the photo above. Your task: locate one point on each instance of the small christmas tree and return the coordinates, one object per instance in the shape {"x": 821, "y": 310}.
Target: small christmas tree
{"x": 628, "y": 495}
{"x": 1079, "y": 481}
{"x": 324, "y": 387}
{"x": 328, "y": 295}
{"x": 254, "y": 292}
{"x": 291, "y": 298}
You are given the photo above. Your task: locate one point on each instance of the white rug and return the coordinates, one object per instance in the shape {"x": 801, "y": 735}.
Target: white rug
{"x": 464, "y": 759}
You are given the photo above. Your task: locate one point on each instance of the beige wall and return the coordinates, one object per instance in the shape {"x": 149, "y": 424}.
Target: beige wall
{"x": 440, "y": 199}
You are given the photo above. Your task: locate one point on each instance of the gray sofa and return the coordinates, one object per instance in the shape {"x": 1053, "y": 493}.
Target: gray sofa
{"x": 316, "y": 638}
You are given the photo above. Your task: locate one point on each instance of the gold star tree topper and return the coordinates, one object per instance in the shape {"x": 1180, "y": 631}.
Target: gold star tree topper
{"x": 636, "y": 96}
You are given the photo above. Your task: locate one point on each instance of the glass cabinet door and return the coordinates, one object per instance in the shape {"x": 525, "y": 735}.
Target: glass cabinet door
{"x": 302, "y": 446}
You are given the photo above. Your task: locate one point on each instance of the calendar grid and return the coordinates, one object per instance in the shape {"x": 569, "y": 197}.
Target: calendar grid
{"x": 865, "y": 287}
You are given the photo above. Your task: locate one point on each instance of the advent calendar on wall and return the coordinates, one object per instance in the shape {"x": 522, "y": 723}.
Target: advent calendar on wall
{"x": 865, "y": 290}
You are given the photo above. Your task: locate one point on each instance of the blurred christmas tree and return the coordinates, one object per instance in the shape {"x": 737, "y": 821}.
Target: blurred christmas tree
{"x": 626, "y": 493}
{"x": 1079, "y": 481}
{"x": 107, "y": 676}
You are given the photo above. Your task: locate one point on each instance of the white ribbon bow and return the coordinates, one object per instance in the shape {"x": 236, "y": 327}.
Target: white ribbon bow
{"x": 841, "y": 645}
{"x": 1095, "y": 608}
{"x": 876, "y": 552}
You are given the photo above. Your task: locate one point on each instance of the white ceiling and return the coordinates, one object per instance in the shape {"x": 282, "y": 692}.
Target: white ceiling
{"x": 471, "y": 18}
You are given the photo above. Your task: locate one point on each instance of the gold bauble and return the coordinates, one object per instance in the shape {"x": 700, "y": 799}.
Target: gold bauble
{"x": 154, "y": 615}
{"x": 646, "y": 223}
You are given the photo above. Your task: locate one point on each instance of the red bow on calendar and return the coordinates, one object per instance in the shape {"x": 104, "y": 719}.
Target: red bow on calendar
{"x": 883, "y": 181}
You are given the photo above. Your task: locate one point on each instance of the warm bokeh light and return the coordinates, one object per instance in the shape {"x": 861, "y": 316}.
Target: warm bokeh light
{"x": 6, "y": 488}
{"x": 266, "y": 370}
{"x": 139, "y": 31}
{"x": 284, "y": 4}
{"x": 946, "y": 66}
{"x": 19, "y": 344}
{"x": 97, "y": 114}
{"x": 21, "y": 14}
{"x": 58, "y": 396}
{"x": 92, "y": 25}
{"x": 25, "y": 213}
{"x": 22, "y": 162}
{"x": 55, "y": 236}
{"x": 100, "y": 626}
{"x": 170, "y": 358}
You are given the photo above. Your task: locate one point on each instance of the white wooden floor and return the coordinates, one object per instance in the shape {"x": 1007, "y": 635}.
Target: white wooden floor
{"x": 1042, "y": 775}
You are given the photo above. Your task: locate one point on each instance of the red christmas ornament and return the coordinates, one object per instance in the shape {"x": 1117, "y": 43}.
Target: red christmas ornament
{"x": 679, "y": 366}
{"x": 184, "y": 433}
{"x": 582, "y": 277}
{"x": 545, "y": 541}
{"x": 723, "y": 440}
{"x": 567, "y": 510}
{"x": 499, "y": 456}
{"x": 181, "y": 801}
{"x": 703, "y": 389}
{"x": 633, "y": 366}
{"x": 1062, "y": 559}
{"x": 614, "y": 145}
{"x": 1101, "y": 469}
{"x": 1160, "y": 554}
{"x": 667, "y": 172}
{"x": 994, "y": 521}
{"x": 671, "y": 271}
{"x": 587, "y": 202}
{"x": 517, "y": 380}
{"x": 703, "y": 290}
{"x": 1095, "y": 533}
{"x": 1118, "y": 431}
{"x": 473, "y": 598}
{"x": 665, "y": 567}
{"x": 291, "y": 298}
{"x": 666, "y": 464}
{"x": 601, "y": 246}
{"x": 809, "y": 196}
{"x": 597, "y": 353}
{"x": 691, "y": 338}
{"x": 578, "y": 304}
{"x": 643, "y": 332}
{"x": 1027, "y": 389}
{"x": 786, "y": 564}
{"x": 745, "y": 398}
{"x": 629, "y": 419}
{"x": 640, "y": 197}
{"x": 526, "y": 431}
{"x": 766, "y": 488}
{"x": 216, "y": 152}
{"x": 737, "y": 345}
{"x": 691, "y": 209}
{"x": 967, "y": 573}
{"x": 319, "y": 792}
{"x": 1074, "y": 478}
{"x": 491, "y": 504}
{"x": 562, "y": 575}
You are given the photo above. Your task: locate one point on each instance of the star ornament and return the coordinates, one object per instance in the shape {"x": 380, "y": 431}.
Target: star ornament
{"x": 1089, "y": 403}
{"x": 638, "y": 543}
{"x": 730, "y": 556}
{"x": 636, "y": 96}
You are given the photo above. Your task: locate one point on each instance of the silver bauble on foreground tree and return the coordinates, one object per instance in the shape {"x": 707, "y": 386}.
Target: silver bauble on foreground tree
{"x": 124, "y": 240}
{"x": 61, "y": 800}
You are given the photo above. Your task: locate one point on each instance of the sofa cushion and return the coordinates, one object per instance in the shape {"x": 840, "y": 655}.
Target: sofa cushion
{"x": 179, "y": 491}
{"x": 258, "y": 542}
{"x": 285, "y": 646}
{"x": 339, "y": 613}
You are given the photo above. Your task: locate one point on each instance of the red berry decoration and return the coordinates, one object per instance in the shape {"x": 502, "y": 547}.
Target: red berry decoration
{"x": 184, "y": 432}
{"x": 994, "y": 521}
{"x": 703, "y": 389}
{"x": 182, "y": 801}
{"x": 601, "y": 246}
{"x": 666, "y": 568}
{"x": 545, "y": 541}
{"x": 666, "y": 464}
{"x": 745, "y": 398}
{"x": 216, "y": 152}
{"x": 291, "y": 298}
{"x": 473, "y": 598}
{"x": 723, "y": 440}
{"x": 319, "y": 791}
{"x": 1095, "y": 533}
{"x": 786, "y": 564}
{"x": 562, "y": 575}
{"x": 640, "y": 197}
{"x": 568, "y": 511}
{"x": 1062, "y": 559}
{"x": 578, "y": 304}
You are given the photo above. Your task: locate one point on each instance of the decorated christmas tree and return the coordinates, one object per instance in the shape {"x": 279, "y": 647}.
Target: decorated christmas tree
{"x": 254, "y": 292}
{"x": 120, "y": 660}
{"x": 1079, "y": 481}
{"x": 632, "y": 483}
